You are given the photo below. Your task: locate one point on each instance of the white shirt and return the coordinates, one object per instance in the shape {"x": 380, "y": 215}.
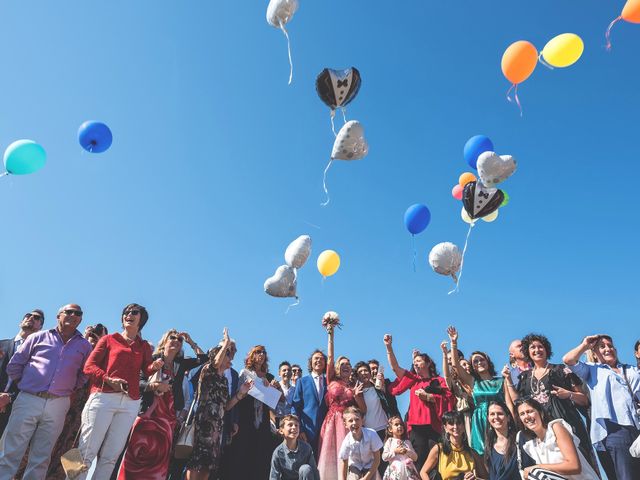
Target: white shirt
{"x": 317, "y": 380}
{"x": 360, "y": 453}
{"x": 227, "y": 374}
{"x": 375, "y": 417}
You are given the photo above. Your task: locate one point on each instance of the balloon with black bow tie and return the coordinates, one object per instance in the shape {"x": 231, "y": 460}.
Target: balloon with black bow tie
{"x": 337, "y": 88}
{"x": 279, "y": 12}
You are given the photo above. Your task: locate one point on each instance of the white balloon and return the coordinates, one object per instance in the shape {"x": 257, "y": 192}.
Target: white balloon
{"x": 279, "y": 12}
{"x": 282, "y": 283}
{"x": 350, "y": 143}
{"x": 445, "y": 258}
{"x": 491, "y": 217}
{"x": 298, "y": 251}
{"x": 494, "y": 168}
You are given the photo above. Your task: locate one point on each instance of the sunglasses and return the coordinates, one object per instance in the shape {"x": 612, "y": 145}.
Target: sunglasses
{"x": 36, "y": 316}
{"x": 72, "y": 313}
{"x": 131, "y": 312}
{"x": 296, "y": 370}
{"x": 258, "y": 352}
{"x": 176, "y": 337}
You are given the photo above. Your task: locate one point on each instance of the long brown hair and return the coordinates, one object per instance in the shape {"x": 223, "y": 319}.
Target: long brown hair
{"x": 250, "y": 360}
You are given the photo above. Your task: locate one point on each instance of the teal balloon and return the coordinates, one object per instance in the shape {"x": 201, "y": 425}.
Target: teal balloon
{"x": 506, "y": 199}
{"x": 23, "y": 157}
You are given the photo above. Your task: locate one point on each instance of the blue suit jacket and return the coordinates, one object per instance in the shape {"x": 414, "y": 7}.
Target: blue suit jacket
{"x": 310, "y": 409}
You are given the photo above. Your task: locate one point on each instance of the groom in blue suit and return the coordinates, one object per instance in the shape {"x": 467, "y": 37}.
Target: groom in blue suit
{"x": 308, "y": 399}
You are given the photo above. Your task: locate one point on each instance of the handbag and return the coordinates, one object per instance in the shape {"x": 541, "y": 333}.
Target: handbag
{"x": 73, "y": 463}
{"x": 184, "y": 443}
{"x": 543, "y": 474}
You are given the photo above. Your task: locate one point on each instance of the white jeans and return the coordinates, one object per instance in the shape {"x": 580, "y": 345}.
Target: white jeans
{"x": 36, "y": 420}
{"x": 106, "y": 421}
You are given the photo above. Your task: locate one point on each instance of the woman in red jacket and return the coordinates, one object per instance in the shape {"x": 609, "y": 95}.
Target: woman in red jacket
{"x": 430, "y": 399}
{"x": 114, "y": 369}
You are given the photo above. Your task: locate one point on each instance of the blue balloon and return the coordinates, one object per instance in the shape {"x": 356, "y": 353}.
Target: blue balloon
{"x": 95, "y": 137}
{"x": 474, "y": 147}
{"x": 416, "y": 218}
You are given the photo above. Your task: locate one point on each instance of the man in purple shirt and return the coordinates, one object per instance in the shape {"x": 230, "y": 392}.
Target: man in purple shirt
{"x": 47, "y": 368}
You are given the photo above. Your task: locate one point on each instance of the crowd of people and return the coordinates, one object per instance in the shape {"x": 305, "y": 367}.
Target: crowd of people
{"x": 140, "y": 412}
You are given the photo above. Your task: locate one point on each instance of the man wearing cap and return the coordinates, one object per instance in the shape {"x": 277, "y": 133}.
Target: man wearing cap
{"x": 31, "y": 323}
{"x": 47, "y": 368}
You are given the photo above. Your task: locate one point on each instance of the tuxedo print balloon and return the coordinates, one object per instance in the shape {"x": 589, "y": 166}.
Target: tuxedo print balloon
{"x": 337, "y": 88}
{"x": 479, "y": 200}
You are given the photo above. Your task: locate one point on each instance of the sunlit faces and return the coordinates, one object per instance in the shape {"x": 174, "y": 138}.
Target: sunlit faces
{"x": 363, "y": 374}
{"x": 466, "y": 366}
{"x": 352, "y": 422}
{"x": 529, "y": 416}
{"x": 396, "y": 428}
{"x": 454, "y": 429}
{"x": 318, "y": 362}
{"x": 32, "y": 322}
{"x": 515, "y": 350}
{"x": 479, "y": 363}
{"x": 420, "y": 366}
{"x": 290, "y": 430}
{"x": 537, "y": 351}
{"x": 296, "y": 373}
{"x": 344, "y": 369}
{"x": 131, "y": 318}
{"x": 69, "y": 317}
{"x": 497, "y": 417}
{"x": 374, "y": 369}
{"x": 285, "y": 372}
{"x": 606, "y": 350}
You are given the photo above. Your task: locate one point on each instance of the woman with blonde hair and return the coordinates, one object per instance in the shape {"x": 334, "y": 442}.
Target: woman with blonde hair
{"x": 150, "y": 444}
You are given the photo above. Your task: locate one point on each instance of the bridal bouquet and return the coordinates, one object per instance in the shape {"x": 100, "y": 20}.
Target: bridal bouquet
{"x": 330, "y": 320}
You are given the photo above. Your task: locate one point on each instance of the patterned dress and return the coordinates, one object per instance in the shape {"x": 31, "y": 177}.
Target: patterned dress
{"x": 338, "y": 397}
{"x": 209, "y": 420}
{"x": 401, "y": 467}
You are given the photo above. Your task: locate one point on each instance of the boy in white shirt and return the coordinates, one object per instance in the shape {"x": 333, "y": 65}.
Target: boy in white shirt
{"x": 360, "y": 450}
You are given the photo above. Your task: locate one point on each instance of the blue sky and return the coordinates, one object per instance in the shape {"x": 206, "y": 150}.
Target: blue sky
{"x": 217, "y": 165}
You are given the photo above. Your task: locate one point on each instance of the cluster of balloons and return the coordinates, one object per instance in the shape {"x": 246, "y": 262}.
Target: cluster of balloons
{"x": 284, "y": 282}
{"x": 630, "y": 13}
{"x": 521, "y": 58}
{"x": 279, "y": 12}
{"x": 24, "y": 157}
{"x": 337, "y": 88}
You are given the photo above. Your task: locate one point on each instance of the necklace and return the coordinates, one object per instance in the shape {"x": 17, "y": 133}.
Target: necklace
{"x": 536, "y": 386}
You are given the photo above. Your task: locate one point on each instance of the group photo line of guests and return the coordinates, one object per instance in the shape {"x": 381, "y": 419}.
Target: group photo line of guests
{"x": 135, "y": 411}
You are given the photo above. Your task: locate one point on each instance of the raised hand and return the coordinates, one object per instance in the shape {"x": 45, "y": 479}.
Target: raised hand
{"x": 387, "y": 339}
{"x": 157, "y": 365}
{"x": 245, "y": 387}
{"x": 358, "y": 389}
{"x": 443, "y": 347}
{"x": 590, "y": 341}
{"x": 453, "y": 333}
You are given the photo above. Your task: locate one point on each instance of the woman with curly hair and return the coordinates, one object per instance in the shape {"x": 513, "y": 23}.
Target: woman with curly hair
{"x": 254, "y": 425}
{"x": 555, "y": 387}
{"x": 485, "y": 385}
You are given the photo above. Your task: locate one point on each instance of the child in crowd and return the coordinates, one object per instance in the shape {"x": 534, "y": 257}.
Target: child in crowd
{"x": 399, "y": 453}
{"x": 360, "y": 450}
{"x": 293, "y": 459}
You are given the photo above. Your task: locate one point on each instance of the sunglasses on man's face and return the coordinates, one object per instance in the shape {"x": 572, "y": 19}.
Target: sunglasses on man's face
{"x": 132, "y": 312}
{"x": 176, "y": 337}
{"x": 35, "y": 316}
{"x": 72, "y": 313}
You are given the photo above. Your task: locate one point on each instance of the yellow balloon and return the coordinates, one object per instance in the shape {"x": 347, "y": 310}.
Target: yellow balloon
{"x": 465, "y": 216}
{"x": 563, "y": 50}
{"x": 328, "y": 263}
{"x": 491, "y": 217}
{"x": 465, "y": 178}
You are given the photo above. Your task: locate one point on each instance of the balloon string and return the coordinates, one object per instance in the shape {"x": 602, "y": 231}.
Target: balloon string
{"x": 413, "y": 247}
{"x": 324, "y": 184}
{"x": 284, "y": 30}
{"x": 464, "y": 251}
{"x": 514, "y": 87}
{"x": 333, "y": 127}
{"x": 542, "y": 61}
{"x": 344, "y": 114}
{"x": 297, "y": 302}
{"x": 607, "y": 34}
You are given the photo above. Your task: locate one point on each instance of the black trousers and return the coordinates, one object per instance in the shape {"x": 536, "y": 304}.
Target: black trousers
{"x": 423, "y": 438}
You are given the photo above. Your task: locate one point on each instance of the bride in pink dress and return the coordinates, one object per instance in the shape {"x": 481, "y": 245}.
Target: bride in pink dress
{"x": 340, "y": 395}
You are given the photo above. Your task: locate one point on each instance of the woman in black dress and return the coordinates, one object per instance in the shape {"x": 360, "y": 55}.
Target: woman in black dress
{"x": 555, "y": 387}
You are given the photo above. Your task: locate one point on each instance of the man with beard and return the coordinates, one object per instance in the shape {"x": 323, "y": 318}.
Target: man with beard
{"x": 31, "y": 323}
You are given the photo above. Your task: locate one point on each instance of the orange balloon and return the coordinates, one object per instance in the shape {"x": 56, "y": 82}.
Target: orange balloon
{"x": 465, "y": 178}
{"x": 519, "y": 61}
{"x": 631, "y": 11}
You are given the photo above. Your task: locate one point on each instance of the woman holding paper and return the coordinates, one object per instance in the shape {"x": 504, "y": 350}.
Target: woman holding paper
{"x": 212, "y": 403}
{"x": 254, "y": 436}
